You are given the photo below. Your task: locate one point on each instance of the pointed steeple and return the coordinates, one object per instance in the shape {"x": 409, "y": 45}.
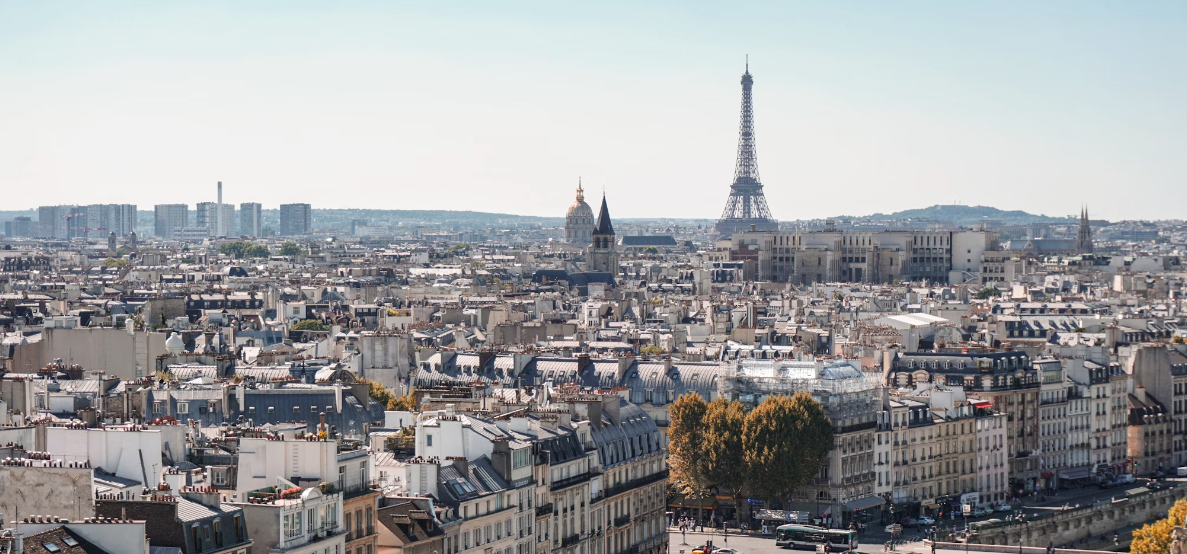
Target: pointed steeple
{"x": 1084, "y": 236}
{"x": 580, "y": 191}
{"x": 604, "y": 227}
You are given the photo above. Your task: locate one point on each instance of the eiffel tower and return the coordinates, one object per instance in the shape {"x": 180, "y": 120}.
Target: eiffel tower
{"x": 746, "y": 206}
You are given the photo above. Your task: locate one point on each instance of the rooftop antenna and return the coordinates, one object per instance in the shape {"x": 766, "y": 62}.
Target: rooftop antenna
{"x": 747, "y": 63}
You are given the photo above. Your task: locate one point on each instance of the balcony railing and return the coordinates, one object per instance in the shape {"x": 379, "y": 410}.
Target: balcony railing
{"x": 543, "y": 510}
{"x": 570, "y": 541}
{"x": 574, "y": 480}
{"x": 634, "y": 483}
{"x": 622, "y": 520}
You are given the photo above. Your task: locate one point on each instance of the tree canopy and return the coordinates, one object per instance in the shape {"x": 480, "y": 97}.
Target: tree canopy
{"x": 685, "y": 440}
{"x": 724, "y": 460}
{"x": 785, "y": 439}
{"x": 308, "y": 325}
{"x": 290, "y": 248}
{"x": 1155, "y": 538}
{"x": 769, "y": 452}
{"x": 115, "y": 262}
{"x": 987, "y": 293}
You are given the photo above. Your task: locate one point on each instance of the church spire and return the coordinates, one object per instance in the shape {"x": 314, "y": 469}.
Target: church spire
{"x": 1084, "y": 236}
{"x": 580, "y": 191}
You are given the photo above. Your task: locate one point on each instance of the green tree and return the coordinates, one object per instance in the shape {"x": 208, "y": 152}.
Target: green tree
{"x": 724, "y": 461}
{"x": 1155, "y": 538}
{"x": 256, "y": 251}
{"x": 121, "y": 251}
{"x": 290, "y": 248}
{"x": 379, "y": 393}
{"x": 651, "y": 250}
{"x": 233, "y": 249}
{"x": 686, "y": 432}
{"x": 785, "y": 440}
{"x": 987, "y": 293}
{"x": 115, "y": 262}
{"x": 460, "y": 247}
{"x": 651, "y": 350}
{"x": 406, "y": 403}
{"x": 308, "y": 325}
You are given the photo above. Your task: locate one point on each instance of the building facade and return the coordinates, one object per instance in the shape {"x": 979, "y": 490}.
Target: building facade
{"x": 168, "y": 218}
{"x": 579, "y": 221}
{"x": 296, "y": 219}
{"x": 250, "y": 219}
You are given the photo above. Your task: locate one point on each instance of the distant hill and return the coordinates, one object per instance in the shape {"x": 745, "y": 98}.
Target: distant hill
{"x": 968, "y": 215}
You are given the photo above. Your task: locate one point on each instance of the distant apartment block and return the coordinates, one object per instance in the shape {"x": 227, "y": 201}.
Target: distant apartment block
{"x": 296, "y": 219}
{"x": 170, "y": 217}
{"x": 61, "y": 222}
{"x": 206, "y": 215}
{"x": 250, "y": 219}
{"x": 19, "y": 227}
{"x": 103, "y": 219}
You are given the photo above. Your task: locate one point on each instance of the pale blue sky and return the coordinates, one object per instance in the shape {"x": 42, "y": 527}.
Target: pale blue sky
{"x": 860, "y": 106}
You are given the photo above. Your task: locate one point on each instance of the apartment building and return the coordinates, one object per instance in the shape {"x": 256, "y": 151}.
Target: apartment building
{"x": 168, "y": 218}
{"x": 992, "y": 467}
{"x": 288, "y": 518}
{"x": 863, "y": 256}
{"x": 1054, "y": 428}
{"x": 295, "y": 219}
{"x": 1006, "y": 379}
{"x": 250, "y": 219}
{"x": 308, "y": 460}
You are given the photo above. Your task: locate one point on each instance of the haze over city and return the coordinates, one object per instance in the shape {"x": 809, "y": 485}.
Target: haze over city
{"x": 859, "y": 107}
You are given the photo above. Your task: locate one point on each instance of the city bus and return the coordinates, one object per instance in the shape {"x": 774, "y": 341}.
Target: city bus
{"x": 811, "y": 536}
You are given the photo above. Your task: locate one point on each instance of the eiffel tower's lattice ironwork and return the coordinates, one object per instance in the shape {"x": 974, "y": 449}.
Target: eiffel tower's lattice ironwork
{"x": 746, "y": 206}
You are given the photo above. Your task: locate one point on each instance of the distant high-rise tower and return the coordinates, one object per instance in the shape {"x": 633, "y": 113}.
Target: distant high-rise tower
{"x": 295, "y": 219}
{"x": 250, "y": 221}
{"x": 747, "y": 206}
{"x": 220, "y": 223}
{"x": 168, "y": 218}
{"x": 1084, "y": 236}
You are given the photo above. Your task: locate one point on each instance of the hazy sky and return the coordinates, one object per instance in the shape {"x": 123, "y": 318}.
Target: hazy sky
{"x": 861, "y": 107}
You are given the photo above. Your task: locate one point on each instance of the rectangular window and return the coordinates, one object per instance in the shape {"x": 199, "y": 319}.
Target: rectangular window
{"x": 429, "y": 440}
{"x": 183, "y": 407}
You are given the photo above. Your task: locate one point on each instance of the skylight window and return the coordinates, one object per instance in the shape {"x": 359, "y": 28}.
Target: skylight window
{"x": 51, "y": 547}
{"x": 70, "y": 541}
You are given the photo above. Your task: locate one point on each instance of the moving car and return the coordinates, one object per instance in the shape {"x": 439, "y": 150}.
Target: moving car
{"x": 982, "y": 511}
{"x": 924, "y": 520}
{"x": 1004, "y": 508}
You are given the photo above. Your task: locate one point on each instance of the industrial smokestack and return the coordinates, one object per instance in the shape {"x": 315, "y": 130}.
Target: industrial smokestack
{"x": 218, "y": 217}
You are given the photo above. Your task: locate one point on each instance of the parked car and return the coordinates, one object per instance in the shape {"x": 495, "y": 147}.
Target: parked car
{"x": 1124, "y": 479}
{"x": 982, "y": 511}
{"x": 1106, "y": 484}
{"x": 1004, "y": 508}
{"x": 1155, "y": 485}
{"x": 910, "y": 522}
{"x": 1181, "y": 472}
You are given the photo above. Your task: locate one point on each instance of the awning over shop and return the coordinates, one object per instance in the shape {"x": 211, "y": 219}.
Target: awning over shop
{"x": 1074, "y": 474}
{"x": 864, "y": 503}
{"x": 680, "y": 501}
{"x": 983, "y": 404}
